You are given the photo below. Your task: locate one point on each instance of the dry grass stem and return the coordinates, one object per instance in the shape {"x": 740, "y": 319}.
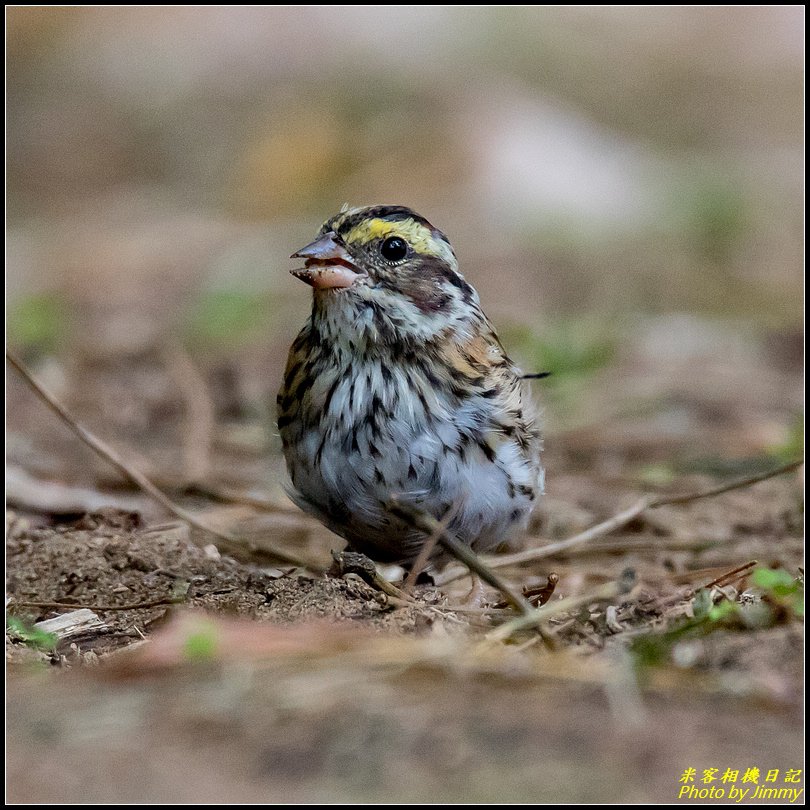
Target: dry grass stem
{"x": 429, "y": 525}
{"x": 73, "y": 606}
{"x": 427, "y": 549}
{"x": 101, "y": 448}
{"x": 740, "y": 483}
{"x": 547, "y": 611}
{"x": 625, "y": 517}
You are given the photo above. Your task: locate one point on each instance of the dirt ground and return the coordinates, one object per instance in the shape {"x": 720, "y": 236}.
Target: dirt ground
{"x": 256, "y": 680}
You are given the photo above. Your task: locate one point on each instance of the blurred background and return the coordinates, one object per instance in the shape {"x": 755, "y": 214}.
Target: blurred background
{"x": 624, "y": 187}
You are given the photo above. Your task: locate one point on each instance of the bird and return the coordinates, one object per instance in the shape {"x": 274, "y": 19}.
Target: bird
{"x": 398, "y": 386}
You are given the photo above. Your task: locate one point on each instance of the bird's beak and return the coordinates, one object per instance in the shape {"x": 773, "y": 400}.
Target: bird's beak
{"x": 328, "y": 264}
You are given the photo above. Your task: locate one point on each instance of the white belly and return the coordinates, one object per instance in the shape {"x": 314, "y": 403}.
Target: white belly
{"x": 346, "y": 466}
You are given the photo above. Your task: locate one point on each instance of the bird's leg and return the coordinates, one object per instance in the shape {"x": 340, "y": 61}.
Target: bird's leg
{"x": 353, "y": 562}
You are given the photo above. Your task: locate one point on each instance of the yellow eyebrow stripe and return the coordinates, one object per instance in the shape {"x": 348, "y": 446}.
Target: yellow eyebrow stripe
{"x": 415, "y": 233}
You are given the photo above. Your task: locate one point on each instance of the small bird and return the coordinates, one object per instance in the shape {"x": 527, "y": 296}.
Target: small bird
{"x": 398, "y": 386}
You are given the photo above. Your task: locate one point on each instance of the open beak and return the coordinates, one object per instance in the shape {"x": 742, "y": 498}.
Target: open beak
{"x": 328, "y": 265}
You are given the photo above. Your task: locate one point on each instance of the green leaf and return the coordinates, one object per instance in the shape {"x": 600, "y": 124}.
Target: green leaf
{"x": 201, "y": 644}
{"x": 569, "y": 348}
{"x": 722, "y": 610}
{"x": 30, "y": 635}
{"x": 37, "y": 320}
{"x": 702, "y": 603}
{"x": 651, "y": 649}
{"x": 229, "y": 318}
{"x": 793, "y": 445}
{"x": 777, "y": 581}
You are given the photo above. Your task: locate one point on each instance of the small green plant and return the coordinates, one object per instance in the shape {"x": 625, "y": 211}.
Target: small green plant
{"x": 657, "y": 475}
{"x": 228, "y": 318}
{"x": 714, "y": 212}
{"x": 201, "y": 644}
{"x": 780, "y": 600}
{"x": 782, "y": 590}
{"x": 573, "y": 350}
{"x": 570, "y": 348}
{"x": 32, "y": 636}
{"x": 37, "y": 321}
{"x": 793, "y": 445}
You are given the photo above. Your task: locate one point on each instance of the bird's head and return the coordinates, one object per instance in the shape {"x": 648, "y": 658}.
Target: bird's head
{"x": 388, "y": 259}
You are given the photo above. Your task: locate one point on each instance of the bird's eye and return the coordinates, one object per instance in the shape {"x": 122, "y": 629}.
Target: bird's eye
{"x": 394, "y": 249}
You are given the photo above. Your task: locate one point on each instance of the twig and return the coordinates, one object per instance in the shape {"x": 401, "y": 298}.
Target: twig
{"x": 73, "y": 606}
{"x": 106, "y": 452}
{"x": 623, "y": 518}
{"x": 199, "y": 421}
{"x": 539, "y": 595}
{"x": 427, "y": 548}
{"x": 429, "y": 525}
{"x": 606, "y": 527}
{"x": 738, "y": 484}
{"x": 544, "y": 613}
{"x": 474, "y": 611}
{"x": 740, "y": 572}
{"x": 223, "y": 494}
{"x": 649, "y": 541}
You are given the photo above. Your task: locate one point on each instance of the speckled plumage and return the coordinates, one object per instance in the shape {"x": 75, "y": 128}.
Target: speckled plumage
{"x": 398, "y": 384}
